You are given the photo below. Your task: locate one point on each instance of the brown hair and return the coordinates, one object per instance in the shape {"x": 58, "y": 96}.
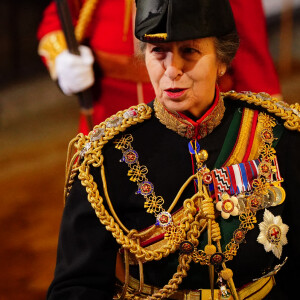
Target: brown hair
{"x": 226, "y": 47}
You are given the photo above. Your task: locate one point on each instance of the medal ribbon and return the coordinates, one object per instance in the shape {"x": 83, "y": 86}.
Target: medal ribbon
{"x": 235, "y": 179}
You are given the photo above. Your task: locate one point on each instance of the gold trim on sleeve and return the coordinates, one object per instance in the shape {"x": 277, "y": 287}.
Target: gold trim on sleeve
{"x": 50, "y": 46}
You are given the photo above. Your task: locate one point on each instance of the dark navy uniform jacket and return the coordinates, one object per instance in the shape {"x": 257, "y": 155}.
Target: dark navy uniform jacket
{"x": 87, "y": 251}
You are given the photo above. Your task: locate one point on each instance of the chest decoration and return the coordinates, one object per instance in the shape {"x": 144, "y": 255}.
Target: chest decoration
{"x": 272, "y": 233}
{"x": 237, "y": 190}
{"x": 234, "y": 186}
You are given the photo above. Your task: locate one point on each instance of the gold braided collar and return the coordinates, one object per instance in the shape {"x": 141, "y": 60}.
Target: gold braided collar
{"x": 187, "y": 127}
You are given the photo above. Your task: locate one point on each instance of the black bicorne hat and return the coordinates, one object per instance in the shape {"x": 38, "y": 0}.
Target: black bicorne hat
{"x": 178, "y": 20}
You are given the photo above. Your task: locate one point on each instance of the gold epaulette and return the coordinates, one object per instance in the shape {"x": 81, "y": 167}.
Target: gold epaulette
{"x": 50, "y": 46}
{"x": 289, "y": 113}
{"x": 88, "y": 149}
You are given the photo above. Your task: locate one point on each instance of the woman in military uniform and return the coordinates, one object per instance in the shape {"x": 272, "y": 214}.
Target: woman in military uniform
{"x": 193, "y": 196}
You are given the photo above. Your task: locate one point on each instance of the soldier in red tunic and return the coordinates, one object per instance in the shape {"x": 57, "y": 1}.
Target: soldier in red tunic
{"x": 121, "y": 79}
{"x": 108, "y": 32}
{"x": 252, "y": 68}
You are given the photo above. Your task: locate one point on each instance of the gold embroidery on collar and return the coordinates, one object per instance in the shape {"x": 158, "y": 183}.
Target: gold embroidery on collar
{"x": 183, "y": 127}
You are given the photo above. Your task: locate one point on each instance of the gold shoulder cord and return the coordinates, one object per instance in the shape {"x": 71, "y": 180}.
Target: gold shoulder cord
{"x": 289, "y": 113}
{"x": 89, "y": 149}
{"x": 96, "y": 139}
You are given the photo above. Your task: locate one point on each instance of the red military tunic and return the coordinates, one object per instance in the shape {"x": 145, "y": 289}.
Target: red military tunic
{"x": 119, "y": 89}
{"x": 252, "y": 68}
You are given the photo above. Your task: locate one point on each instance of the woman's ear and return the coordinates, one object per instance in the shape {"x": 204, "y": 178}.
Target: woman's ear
{"x": 221, "y": 69}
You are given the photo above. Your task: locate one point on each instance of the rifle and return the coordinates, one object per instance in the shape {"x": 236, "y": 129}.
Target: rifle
{"x": 85, "y": 97}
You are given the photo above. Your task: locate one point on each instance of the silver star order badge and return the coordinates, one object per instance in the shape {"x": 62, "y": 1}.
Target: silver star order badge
{"x": 272, "y": 233}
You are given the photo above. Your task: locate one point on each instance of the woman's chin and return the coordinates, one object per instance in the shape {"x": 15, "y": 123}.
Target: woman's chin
{"x": 173, "y": 104}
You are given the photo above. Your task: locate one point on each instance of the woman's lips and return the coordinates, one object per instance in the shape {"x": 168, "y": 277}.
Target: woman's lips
{"x": 175, "y": 93}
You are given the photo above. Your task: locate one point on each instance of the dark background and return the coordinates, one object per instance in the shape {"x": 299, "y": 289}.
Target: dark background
{"x": 36, "y": 123}
{"x": 18, "y": 23}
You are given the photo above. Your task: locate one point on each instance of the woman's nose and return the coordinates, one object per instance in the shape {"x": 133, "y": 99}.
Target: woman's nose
{"x": 173, "y": 66}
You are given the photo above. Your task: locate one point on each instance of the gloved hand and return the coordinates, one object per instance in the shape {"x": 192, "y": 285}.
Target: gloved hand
{"x": 75, "y": 72}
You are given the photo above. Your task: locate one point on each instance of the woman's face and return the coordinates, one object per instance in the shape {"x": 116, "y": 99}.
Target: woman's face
{"x": 184, "y": 74}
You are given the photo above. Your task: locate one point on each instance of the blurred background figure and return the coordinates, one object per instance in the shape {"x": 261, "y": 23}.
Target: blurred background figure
{"x": 253, "y": 68}
{"x": 106, "y": 28}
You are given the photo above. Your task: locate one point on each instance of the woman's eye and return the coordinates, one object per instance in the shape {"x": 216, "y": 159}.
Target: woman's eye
{"x": 189, "y": 50}
{"x": 157, "y": 49}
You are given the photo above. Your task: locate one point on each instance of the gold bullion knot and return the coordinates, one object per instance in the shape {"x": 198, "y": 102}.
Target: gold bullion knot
{"x": 247, "y": 220}
{"x": 137, "y": 173}
{"x": 267, "y": 151}
{"x": 124, "y": 142}
{"x": 154, "y": 204}
{"x": 260, "y": 186}
{"x": 174, "y": 234}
